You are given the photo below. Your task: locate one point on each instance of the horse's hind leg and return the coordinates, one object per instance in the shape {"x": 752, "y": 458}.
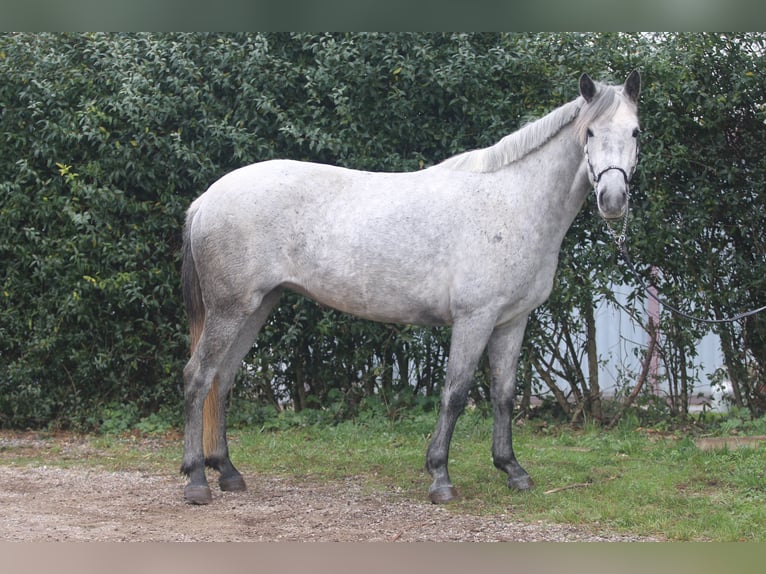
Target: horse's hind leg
{"x": 215, "y": 443}
{"x": 198, "y": 380}
{"x": 225, "y": 339}
{"x": 214, "y": 436}
{"x": 503, "y": 349}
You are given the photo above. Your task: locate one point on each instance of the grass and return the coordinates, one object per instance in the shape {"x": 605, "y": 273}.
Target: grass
{"x": 627, "y": 480}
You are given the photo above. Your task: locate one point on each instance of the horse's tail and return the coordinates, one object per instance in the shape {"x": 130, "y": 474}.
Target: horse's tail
{"x": 195, "y": 309}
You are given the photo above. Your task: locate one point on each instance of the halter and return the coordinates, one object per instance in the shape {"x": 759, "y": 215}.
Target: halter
{"x": 618, "y": 237}
{"x": 596, "y": 177}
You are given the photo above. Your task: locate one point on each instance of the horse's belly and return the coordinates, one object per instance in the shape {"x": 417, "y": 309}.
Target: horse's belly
{"x": 408, "y": 302}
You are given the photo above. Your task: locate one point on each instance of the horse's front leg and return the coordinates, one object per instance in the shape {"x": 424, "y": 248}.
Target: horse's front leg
{"x": 466, "y": 346}
{"x": 503, "y": 349}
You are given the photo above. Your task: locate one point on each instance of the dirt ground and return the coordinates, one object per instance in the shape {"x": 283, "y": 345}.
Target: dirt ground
{"x": 49, "y": 503}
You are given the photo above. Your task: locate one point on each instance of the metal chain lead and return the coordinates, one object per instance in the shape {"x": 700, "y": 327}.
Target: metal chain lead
{"x": 620, "y": 240}
{"x": 621, "y": 236}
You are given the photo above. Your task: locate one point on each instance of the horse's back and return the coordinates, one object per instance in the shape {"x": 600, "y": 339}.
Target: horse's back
{"x": 290, "y": 180}
{"x": 368, "y": 243}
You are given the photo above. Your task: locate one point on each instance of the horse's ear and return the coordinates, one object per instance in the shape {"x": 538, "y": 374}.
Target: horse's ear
{"x": 632, "y": 87}
{"x": 587, "y": 87}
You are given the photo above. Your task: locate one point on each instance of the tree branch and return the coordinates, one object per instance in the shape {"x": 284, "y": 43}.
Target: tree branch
{"x": 642, "y": 377}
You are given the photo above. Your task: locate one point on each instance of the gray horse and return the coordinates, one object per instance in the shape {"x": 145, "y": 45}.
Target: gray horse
{"x": 472, "y": 242}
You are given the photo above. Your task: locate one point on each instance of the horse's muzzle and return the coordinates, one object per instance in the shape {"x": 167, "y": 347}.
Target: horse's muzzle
{"x": 612, "y": 195}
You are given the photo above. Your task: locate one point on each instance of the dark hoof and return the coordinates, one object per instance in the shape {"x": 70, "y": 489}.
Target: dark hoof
{"x": 520, "y": 483}
{"x": 196, "y": 494}
{"x": 232, "y": 484}
{"x": 443, "y": 494}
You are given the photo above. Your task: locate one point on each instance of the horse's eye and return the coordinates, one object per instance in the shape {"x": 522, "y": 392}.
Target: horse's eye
{"x": 589, "y": 133}
{"x": 636, "y": 132}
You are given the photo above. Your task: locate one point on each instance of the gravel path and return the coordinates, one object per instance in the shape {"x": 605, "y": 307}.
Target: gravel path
{"x": 50, "y": 503}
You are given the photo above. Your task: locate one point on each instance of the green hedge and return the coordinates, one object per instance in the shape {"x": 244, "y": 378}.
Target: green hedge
{"x": 106, "y": 138}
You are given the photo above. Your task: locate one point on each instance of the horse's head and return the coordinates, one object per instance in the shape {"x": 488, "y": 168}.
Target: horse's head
{"x": 611, "y": 141}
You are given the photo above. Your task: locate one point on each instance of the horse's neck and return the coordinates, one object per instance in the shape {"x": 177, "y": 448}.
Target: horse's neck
{"x": 558, "y": 172}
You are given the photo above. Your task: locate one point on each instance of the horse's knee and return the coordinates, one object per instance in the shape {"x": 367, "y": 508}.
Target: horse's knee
{"x": 453, "y": 401}
{"x": 503, "y": 395}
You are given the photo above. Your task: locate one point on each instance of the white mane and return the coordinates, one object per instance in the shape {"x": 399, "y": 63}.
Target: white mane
{"x": 534, "y": 135}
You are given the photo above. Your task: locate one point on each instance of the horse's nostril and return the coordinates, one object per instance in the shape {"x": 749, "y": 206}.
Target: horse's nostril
{"x": 612, "y": 201}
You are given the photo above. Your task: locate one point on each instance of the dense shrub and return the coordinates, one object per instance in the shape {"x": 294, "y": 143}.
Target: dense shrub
{"x": 106, "y": 138}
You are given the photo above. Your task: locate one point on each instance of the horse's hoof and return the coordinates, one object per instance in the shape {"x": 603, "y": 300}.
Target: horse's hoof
{"x": 443, "y": 494}
{"x": 520, "y": 483}
{"x": 232, "y": 483}
{"x": 197, "y": 494}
